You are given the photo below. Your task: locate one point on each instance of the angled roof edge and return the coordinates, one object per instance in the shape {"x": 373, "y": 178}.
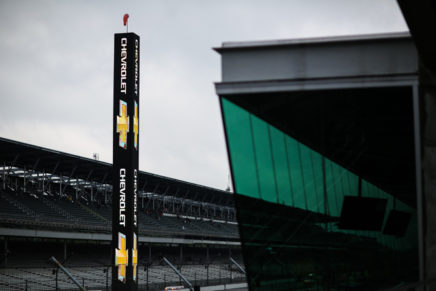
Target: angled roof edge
{"x": 106, "y": 164}
{"x": 312, "y": 40}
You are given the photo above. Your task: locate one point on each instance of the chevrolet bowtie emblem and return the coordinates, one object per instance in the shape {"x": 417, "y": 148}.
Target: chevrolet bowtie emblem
{"x": 134, "y": 256}
{"x": 121, "y": 257}
{"x": 136, "y": 125}
{"x": 123, "y": 124}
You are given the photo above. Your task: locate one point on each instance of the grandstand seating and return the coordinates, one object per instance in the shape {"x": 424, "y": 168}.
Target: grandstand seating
{"x": 8, "y": 209}
{"x": 30, "y": 209}
{"x": 42, "y": 217}
{"x": 90, "y": 264}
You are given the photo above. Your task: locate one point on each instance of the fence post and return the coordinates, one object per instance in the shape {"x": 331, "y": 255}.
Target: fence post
{"x": 147, "y": 276}
{"x": 83, "y": 282}
{"x": 207, "y": 275}
{"x": 57, "y": 278}
{"x": 107, "y": 278}
{"x": 230, "y": 266}
{"x": 195, "y": 278}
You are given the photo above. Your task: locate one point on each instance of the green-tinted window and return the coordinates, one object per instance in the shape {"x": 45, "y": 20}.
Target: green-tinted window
{"x": 308, "y": 175}
{"x": 295, "y": 168}
{"x": 318, "y": 180}
{"x": 334, "y": 205}
{"x": 281, "y": 166}
{"x": 263, "y": 153}
{"x": 241, "y": 149}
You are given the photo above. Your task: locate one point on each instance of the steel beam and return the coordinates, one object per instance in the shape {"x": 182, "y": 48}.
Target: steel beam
{"x": 56, "y": 262}
{"x": 178, "y": 273}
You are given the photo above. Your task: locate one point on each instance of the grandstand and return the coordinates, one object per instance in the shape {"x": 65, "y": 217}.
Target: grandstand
{"x": 57, "y": 204}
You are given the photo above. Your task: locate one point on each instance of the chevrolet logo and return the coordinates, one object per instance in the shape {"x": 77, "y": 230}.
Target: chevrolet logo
{"x": 121, "y": 257}
{"x": 123, "y": 124}
{"x": 134, "y": 256}
{"x": 136, "y": 125}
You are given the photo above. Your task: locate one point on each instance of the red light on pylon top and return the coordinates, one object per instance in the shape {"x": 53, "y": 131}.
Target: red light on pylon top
{"x": 125, "y": 18}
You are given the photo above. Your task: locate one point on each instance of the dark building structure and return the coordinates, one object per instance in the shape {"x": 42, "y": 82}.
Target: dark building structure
{"x": 324, "y": 143}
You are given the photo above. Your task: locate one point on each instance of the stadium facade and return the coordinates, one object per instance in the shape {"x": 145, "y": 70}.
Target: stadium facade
{"x": 323, "y": 137}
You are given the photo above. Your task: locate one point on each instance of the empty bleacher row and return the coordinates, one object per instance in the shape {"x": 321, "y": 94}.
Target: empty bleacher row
{"x": 25, "y": 209}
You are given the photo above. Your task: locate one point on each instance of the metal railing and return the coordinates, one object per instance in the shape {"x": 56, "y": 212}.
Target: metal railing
{"x": 154, "y": 276}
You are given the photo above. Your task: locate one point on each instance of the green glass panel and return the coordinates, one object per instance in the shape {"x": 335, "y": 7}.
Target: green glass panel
{"x": 263, "y": 153}
{"x": 332, "y": 201}
{"x": 365, "y": 189}
{"x": 295, "y": 169}
{"x": 338, "y": 185}
{"x": 281, "y": 166}
{"x": 240, "y": 145}
{"x": 352, "y": 183}
{"x": 317, "y": 168}
{"x": 308, "y": 178}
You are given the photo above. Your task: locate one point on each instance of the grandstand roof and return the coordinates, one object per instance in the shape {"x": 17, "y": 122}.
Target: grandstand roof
{"x": 31, "y": 157}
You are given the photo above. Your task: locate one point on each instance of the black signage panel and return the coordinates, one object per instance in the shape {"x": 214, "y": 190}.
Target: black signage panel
{"x": 125, "y": 162}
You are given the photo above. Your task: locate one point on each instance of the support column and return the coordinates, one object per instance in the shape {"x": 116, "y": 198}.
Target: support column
{"x": 207, "y": 254}
{"x": 24, "y": 179}
{"x": 10, "y": 180}
{"x": 426, "y": 213}
{"x": 149, "y": 254}
{"x": 43, "y": 182}
{"x": 125, "y": 162}
{"x": 4, "y": 176}
{"x": 65, "y": 251}
{"x": 6, "y": 252}
{"x": 181, "y": 254}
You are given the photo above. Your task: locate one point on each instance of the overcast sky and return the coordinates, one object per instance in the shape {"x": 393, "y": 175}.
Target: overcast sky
{"x": 56, "y": 70}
